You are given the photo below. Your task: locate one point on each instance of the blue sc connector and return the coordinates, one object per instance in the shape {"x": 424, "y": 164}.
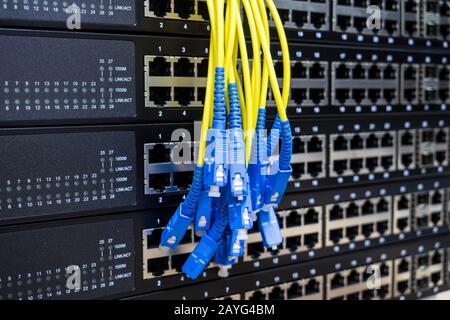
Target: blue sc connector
{"x": 269, "y": 227}
{"x": 259, "y": 163}
{"x": 240, "y": 213}
{"x": 203, "y": 214}
{"x": 238, "y": 179}
{"x": 200, "y": 257}
{"x": 216, "y": 156}
{"x": 237, "y": 242}
{"x": 183, "y": 217}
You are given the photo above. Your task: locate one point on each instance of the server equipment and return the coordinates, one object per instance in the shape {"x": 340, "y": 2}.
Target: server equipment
{"x": 90, "y": 120}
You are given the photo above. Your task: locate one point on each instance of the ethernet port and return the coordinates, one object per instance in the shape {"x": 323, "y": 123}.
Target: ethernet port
{"x": 444, "y": 74}
{"x": 422, "y": 222}
{"x": 201, "y": 92}
{"x": 382, "y": 227}
{"x": 353, "y": 278}
{"x": 298, "y": 145}
{"x": 402, "y": 224}
{"x": 154, "y": 238}
{"x": 311, "y": 240}
{"x": 432, "y": 6}
{"x": 403, "y": 203}
{"x": 314, "y": 168}
{"x": 184, "y": 8}
{"x": 403, "y": 286}
{"x": 352, "y": 211}
{"x": 340, "y": 166}
{"x": 352, "y": 233}
{"x": 407, "y": 159}
{"x": 444, "y": 10}
{"x": 431, "y": 95}
{"x": 389, "y": 95}
{"x": 358, "y": 95}
{"x": 387, "y": 162}
{"x": 298, "y": 169}
{"x": 411, "y": 27}
{"x": 299, "y": 70}
{"x": 202, "y": 68}
{"x": 317, "y": 71}
{"x": 178, "y": 261}
{"x": 159, "y": 8}
{"x": 183, "y": 179}
{"x": 160, "y": 95}
{"x": 383, "y": 292}
{"x": 356, "y": 165}
{"x": 340, "y": 144}
{"x": 159, "y": 67}
{"x": 300, "y": 18}
{"x": 367, "y": 208}
{"x": 391, "y": 26}
{"x": 299, "y": 95}
{"x": 410, "y": 73}
{"x": 436, "y": 278}
{"x": 384, "y": 270}
{"x": 387, "y": 140}
{"x": 312, "y": 287}
{"x": 436, "y": 198}
{"x": 441, "y": 136}
{"x": 409, "y": 94}
{"x": 336, "y": 235}
{"x": 423, "y": 199}
{"x": 423, "y": 261}
{"x": 316, "y": 95}
{"x": 391, "y": 5}
{"x": 360, "y": 25}
{"x": 443, "y": 94}
{"x": 203, "y": 10}
{"x": 292, "y": 243}
{"x": 157, "y": 266}
{"x": 436, "y": 258}
{"x": 427, "y": 159}
{"x": 407, "y": 139}
{"x": 318, "y": 19}
{"x": 431, "y": 72}
{"x": 374, "y": 72}
{"x": 255, "y": 250}
{"x": 358, "y": 71}
{"x": 374, "y": 95}
{"x": 279, "y": 68}
{"x": 422, "y": 283}
{"x": 367, "y": 230}
{"x": 276, "y": 294}
{"x": 411, "y": 6}
{"x": 184, "y": 96}
{"x": 315, "y": 145}
{"x": 257, "y": 295}
{"x": 336, "y": 213}
{"x": 357, "y": 142}
{"x": 444, "y": 30}
{"x": 311, "y": 217}
{"x": 294, "y": 219}
{"x": 372, "y": 141}
{"x": 436, "y": 218}
{"x": 342, "y": 72}
{"x": 159, "y": 181}
{"x": 382, "y": 206}
{"x": 184, "y": 68}
{"x": 344, "y": 22}
{"x": 342, "y": 95}
{"x": 284, "y": 15}
{"x": 158, "y": 154}
{"x": 403, "y": 266}
{"x": 337, "y": 281}
{"x": 432, "y": 30}
{"x": 294, "y": 291}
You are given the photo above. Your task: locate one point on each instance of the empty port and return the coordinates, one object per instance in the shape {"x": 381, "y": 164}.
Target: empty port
{"x": 436, "y": 218}
{"x": 360, "y": 25}
{"x": 382, "y": 227}
{"x": 160, "y": 95}
{"x": 402, "y": 224}
{"x": 312, "y": 287}
{"x": 358, "y": 71}
{"x": 298, "y": 169}
{"x": 391, "y": 26}
{"x": 340, "y": 143}
{"x": 336, "y": 235}
{"x": 314, "y": 168}
{"x": 255, "y": 250}
{"x": 352, "y": 211}
{"x": 317, "y": 71}
{"x": 374, "y": 72}
{"x": 410, "y": 73}
{"x": 387, "y": 140}
{"x": 299, "y": 18}
{"x": 184, "y": 8}
{"x": 299, "y": 95}
{"x": 318, "y": 19}
{"x": 409, "y": 95}
{"x": 202, "y": 69}
{"x": 367, "y": 230}
{"x": 293, "y": 219}
{"x": 276, "y": 294}
{"x": 389, "y": 95}
{"x": 387, "y": 162}
{"x": 436, "y": 277}
{"x": 372, "y": 163}
{"x": 356, "y": 142}
{"x": 158, "y": 266}
{"x": 159, "y": 181}
{"x": 158, "y": 154}
{"x": 352, "y": 233}
{"x": 316, "y": 95}
{"x": 403, "y": 266}
{"x": 184, "y": 96}
{"x": 411, "y": 6}
{"x": 292, "y": 243}
{"x": 382, "y": 206}
{"x": 340, "y": 166}
{"x": 337, "y": 281}
{"x": 284, "y": 15}
{"x": 356, "y": 165}
{"x": 315, "y": 145}
{"x": 374, "y": 95}
{"x": 299, "y": 70}
{"x": 154, "y": 238}
{"x": 294, "y": 291}
{"x": 436, "y": 258}
{"x": 311, "y": 240}
{"x": 407, "y": 139}
{"x": 159, "y": 8}
{"x": 344, "y": 22}
{"x": 178, "y": 261}
{"x": 342, "y": 95}
{"x": 183, "y": 179}
{"x": 257, "y": 295}
{"x": 367, "y": 208}
{"x": 336, "y": 213}
{"x": 342, "y": 72}
{"x": 311, "y": 217}
{"x": 159, "y": 67}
